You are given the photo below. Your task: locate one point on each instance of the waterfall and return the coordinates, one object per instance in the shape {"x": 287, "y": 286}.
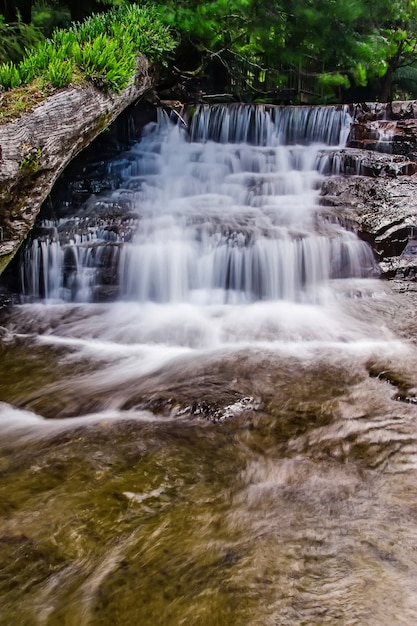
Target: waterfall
{"x": 219, "y": 207}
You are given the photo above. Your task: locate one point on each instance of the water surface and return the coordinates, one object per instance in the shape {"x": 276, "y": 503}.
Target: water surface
{"x": 208, "y": 404}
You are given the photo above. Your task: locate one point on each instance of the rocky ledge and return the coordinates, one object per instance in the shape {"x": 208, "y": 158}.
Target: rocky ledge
{"x": 390, "y": 127}
{"x": 36, "y": 148}
{"x": 383, "y": 211}
{"x": 374, "y": 184}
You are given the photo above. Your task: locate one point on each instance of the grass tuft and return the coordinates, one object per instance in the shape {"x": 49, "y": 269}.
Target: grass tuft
{"x": 103, "y": 49}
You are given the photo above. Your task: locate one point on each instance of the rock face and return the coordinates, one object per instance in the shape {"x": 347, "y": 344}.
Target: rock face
{"x": 35, "y": 149}
{"x": 375, "y": 187}
{"x": 384, "y": 213}
{"x": 390, "y": 127}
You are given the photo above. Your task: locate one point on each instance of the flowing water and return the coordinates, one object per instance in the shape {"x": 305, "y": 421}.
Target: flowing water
{"x": 208, "y": 397}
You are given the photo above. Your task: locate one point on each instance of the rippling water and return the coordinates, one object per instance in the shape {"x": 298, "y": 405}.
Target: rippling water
{"x": 231, "y": 440}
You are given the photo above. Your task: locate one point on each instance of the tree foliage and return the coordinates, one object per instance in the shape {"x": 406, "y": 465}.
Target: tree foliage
{"x": 336, "y": 45}
{"x": 332, "y": 49}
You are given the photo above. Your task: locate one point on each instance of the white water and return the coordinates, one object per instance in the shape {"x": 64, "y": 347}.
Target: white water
{"x": 229, "y": 251}
{"x": 226, "y": 213}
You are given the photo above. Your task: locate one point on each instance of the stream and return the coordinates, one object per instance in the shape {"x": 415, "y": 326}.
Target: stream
{"x": 207, "y": 395}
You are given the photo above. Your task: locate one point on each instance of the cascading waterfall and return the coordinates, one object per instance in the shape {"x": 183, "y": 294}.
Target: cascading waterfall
{"x": 219, "y": 207}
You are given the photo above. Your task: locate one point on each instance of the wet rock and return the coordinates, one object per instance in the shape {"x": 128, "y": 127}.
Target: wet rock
{"x": 354, "y": 162}
{"x": 389, "y": 128}
{"x": 384, "y": 213}
{"x": 371, "y": 111}
{"x": 402, "y": 109}
{"x": 368, "y": 111}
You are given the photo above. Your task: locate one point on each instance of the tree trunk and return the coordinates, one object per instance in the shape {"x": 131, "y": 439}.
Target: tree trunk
{"x": 385, "y": 94}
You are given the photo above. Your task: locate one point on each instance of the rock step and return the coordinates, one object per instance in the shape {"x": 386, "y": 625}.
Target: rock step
{"x": 362, "y": 161}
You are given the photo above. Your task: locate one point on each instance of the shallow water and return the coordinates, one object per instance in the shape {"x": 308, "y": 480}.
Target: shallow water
{"x": 215, "y": 458}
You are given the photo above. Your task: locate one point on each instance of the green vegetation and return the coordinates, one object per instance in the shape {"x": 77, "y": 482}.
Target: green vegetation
{"x": 257, "y": 49}
{"x": 30, "y": 162}
{"x": 330, "y": 50}
{"x": 48, "y": 18}
{"x": 15, "y": 38}
{"x": 102, "y": 49}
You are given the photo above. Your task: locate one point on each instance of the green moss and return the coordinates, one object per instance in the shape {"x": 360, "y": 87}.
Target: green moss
{"x": 21, "y": 100}
{"x": 5, "y": 260}
{"x": 30, "y": 163}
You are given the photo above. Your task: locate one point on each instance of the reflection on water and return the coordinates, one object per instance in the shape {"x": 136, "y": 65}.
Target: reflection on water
{"x": 220, "y": 457}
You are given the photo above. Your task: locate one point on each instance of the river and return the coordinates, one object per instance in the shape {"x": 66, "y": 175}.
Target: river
{"x": 208, "y": 397}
